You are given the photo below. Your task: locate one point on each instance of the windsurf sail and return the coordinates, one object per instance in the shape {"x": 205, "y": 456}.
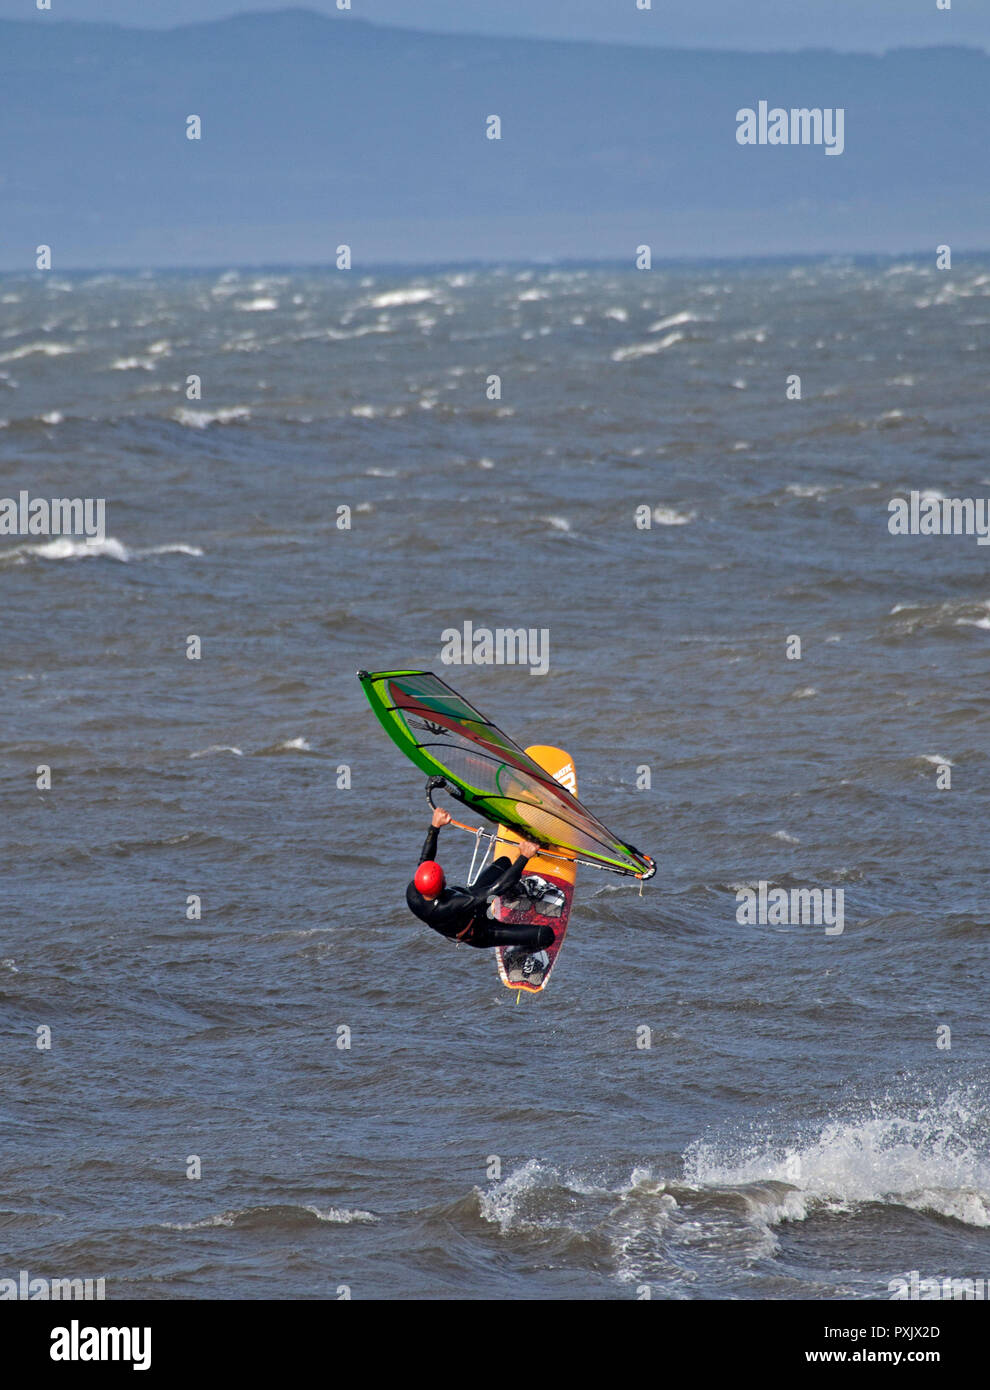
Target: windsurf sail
{"x": 445, "y": 736}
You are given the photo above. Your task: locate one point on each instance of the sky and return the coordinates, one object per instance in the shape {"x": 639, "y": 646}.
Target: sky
{"x": 850, "y": 25}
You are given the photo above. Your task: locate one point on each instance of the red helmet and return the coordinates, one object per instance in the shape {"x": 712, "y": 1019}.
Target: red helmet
{"x": 429, "y": 878}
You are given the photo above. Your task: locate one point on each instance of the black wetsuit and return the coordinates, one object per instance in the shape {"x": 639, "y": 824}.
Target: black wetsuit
{"x": 461, "y": 914}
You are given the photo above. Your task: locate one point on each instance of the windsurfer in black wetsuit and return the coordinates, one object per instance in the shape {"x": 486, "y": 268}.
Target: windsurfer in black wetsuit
{"x": 461, "y": 914}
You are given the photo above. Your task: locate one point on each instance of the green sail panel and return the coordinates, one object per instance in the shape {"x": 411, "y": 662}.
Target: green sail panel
{"x": 446, "y": 737}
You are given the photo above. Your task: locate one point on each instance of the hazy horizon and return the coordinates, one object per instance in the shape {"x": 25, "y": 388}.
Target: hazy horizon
{"x": 763, "y": 26}
{"x": 313, "y": 138}
{"x": 915, "y": 256}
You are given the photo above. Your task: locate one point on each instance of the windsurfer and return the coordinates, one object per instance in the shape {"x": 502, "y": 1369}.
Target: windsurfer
{"x": 463, "y": 914}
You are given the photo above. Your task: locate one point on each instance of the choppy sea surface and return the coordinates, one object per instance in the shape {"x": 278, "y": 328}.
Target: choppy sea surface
{"x": 798, "y": 1127}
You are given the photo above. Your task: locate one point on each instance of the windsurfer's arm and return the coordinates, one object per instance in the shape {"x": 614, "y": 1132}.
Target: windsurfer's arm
{"x": 440, "y": 819}
{"x": 514, "y": 872}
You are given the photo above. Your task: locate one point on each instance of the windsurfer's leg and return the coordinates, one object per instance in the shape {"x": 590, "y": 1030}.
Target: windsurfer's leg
{"x": 492, "y": 874}
{"x": 493, "y": 934}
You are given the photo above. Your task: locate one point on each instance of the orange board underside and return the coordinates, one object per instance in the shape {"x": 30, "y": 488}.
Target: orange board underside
{"x": 558, "y": 873}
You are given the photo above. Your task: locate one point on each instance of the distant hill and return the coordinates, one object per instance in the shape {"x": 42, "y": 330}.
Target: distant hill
{"x": 320, "y": 130}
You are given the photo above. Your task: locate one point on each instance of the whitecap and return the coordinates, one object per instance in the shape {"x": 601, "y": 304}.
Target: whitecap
{"x": 667, "y": 516}
{"x": 926, "y": 1159}
{"x": 635, "y": 350}
{"x": 398, "y": 298}
{"x": 673, "y": 321}
{"x": 203, "y": 419}
{"x": 66, "y": 548}
{"x": 132, "y": 364}
{"x": 37, "y": 349}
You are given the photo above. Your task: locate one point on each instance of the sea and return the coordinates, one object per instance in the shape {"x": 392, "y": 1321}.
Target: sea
{"x": 233, "y": 1065}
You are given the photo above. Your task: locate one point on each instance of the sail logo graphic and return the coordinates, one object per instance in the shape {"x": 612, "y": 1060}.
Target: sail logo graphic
{"x": 501, "y": 646}
{"x": 800, "y": 125}
{"x": 427, "y": 726}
